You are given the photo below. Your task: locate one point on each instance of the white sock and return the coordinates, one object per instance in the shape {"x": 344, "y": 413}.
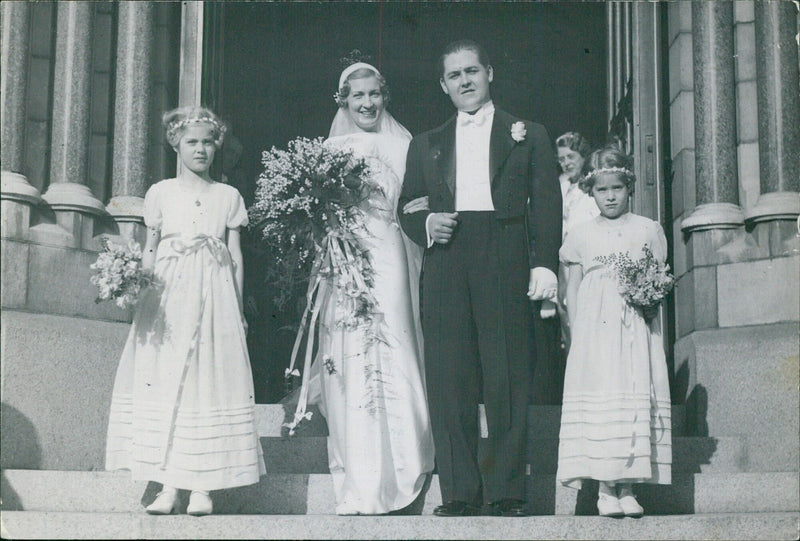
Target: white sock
{"x": 607, "y": 488}
{"x": 624, "y": 489}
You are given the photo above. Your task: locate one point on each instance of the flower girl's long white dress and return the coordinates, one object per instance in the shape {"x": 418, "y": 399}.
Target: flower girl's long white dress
{"x": 615, "y": 419}
{"x": 182, "y": 410}
{"x": 380, "y": 447}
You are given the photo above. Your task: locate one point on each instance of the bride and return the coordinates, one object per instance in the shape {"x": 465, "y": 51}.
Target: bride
{"x": 379, "y": 452}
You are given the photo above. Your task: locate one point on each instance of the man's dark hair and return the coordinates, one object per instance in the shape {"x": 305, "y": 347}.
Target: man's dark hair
{"x": 461, "y": 45}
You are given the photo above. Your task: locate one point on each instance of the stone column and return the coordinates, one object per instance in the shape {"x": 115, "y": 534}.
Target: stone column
{"x": 132, "y": 113}
{"x": 715, "y": 119}
{"x": 16, "y": 192}
{"x": 67, "y": 193}
{"x": 778, "y": 112}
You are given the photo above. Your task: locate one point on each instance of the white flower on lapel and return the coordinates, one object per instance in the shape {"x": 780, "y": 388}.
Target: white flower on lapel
{"x": 518, "y": 131}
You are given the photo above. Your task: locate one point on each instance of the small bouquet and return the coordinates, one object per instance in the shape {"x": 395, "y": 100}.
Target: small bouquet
{"x": 644, "y": 282}
{"x": 118, "y": 273}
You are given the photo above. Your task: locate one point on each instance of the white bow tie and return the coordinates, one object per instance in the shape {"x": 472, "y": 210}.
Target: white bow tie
{"x": 478, "y": 119}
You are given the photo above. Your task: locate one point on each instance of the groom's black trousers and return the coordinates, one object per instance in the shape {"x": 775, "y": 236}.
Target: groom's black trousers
{"x": 476, "y": 322}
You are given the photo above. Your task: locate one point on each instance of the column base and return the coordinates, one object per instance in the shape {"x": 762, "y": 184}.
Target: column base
{"x": 16, "y": 187}
{"x": 126, "y": 208}
{"x": 18, "y": 196}
{"x": 775, "y": 206}
{"x": 74, "y": 197}
{"x": 713, "y": 216}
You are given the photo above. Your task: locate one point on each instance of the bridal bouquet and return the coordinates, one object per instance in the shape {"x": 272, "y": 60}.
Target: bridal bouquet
{"x": 118, "y": 273}
{"x": 307, "y": 207}
{"x": 643, "y": 282}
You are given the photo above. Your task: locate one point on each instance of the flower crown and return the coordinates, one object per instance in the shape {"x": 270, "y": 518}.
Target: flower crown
{"x": 176, "y": 126}
{"x": 606, "y": 170}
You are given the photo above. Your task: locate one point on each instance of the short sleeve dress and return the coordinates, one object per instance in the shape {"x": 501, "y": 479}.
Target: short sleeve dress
{"x": 183, "y": 408}
{"x": 615, "y": 421}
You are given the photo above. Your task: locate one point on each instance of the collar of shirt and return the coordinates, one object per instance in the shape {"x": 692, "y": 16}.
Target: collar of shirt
{"x": 479, "y": 117}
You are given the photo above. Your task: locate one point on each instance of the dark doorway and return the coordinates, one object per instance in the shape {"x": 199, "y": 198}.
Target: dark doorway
{"x": 280, "y": 64}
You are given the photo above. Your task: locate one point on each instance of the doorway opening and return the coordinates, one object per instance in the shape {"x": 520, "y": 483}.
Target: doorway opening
{"x": 276, "y": 67}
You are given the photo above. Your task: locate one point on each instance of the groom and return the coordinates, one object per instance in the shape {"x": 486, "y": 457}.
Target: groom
{"x": 492, "y": 234}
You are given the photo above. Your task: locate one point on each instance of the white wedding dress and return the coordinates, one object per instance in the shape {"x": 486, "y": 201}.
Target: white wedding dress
{"x": 372, "y": 392}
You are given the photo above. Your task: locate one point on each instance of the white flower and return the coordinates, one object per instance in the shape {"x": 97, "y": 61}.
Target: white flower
{"x": 518, "y": 131}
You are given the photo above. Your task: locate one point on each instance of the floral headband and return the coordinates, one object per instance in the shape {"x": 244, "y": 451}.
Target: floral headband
{"x": 606, "y": 170}
{"x": 174, "y": 127}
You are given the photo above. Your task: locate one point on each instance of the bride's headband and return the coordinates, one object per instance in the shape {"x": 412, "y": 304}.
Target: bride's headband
{"x": 355, "y": 67}
{"x": 609, "y": 170}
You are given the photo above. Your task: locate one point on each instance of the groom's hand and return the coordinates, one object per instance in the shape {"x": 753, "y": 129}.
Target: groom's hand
{"x": 441, "y": 226}
{"x": 543, "y": 284}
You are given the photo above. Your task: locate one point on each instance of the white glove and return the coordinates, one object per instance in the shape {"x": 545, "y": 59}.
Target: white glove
{"x": 543, "y": 284}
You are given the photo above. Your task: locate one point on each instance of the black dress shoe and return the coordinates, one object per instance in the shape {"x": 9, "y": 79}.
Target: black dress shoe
{"x": 456, "y": 508}
{"x": 507, "y": 508}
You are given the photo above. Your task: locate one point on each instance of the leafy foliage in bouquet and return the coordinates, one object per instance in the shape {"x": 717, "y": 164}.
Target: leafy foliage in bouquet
{"x": 308, "y": 203}
{"x": 118, "y": 273}
{"x": 643, "y": 282}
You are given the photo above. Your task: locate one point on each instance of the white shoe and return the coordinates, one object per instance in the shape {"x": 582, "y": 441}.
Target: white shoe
{"x": 164, "y": 504}
{"x": 608, "y": 506}
{"x": 199, "y": 504}
{"x": 630, "y": 506}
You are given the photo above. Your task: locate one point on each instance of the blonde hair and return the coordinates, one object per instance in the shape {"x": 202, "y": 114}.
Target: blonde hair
{"x": 608, "y": 160}
{"x": 177, "y": 120}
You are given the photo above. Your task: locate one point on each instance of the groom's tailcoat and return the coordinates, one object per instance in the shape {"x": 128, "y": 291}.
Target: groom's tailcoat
{"x": 476, "y": 314}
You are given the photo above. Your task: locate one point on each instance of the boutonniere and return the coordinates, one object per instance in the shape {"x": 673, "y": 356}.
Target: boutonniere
{"x": 518, "y": 131}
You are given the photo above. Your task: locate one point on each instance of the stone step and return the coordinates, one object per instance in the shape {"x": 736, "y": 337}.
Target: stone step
{"x": 544, "y": 421}
{"x": 55, "y": 525}
{"x": 309, "y": 454}
{"x": 312, "y": 494}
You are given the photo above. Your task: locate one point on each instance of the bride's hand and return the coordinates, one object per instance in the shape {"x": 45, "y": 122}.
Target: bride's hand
{"x": 416, "y": 205}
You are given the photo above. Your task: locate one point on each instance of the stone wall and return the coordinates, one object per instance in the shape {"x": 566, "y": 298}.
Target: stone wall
{"x": 736, "y": 238}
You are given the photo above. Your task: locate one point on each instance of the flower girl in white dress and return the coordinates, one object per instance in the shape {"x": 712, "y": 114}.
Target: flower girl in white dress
{"x": 615, "y": 420}
{"x": 182, "y": 410}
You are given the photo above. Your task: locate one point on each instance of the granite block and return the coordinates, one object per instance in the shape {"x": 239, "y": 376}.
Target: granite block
{"x": 683, "y": 183}
{"x": 684, "y": 304}
{"x": 749, "y": 377}
{"x": 746, "y": 112}
{"x": 14, "y": 271}
{"x": 38, "y": 95}
{"x": 680, "y": 65}
{"x": 42, "y": 28}
{"x": 720, "y": 246}
{"x": 679, "y": 250}
{"x": 32, "y": 525}
{"x": 16, "y": 218}
{"x": 743, "y": 11}
{"x": 705, "y": 297}
{"x": 37, "y": 150}
{"x": 749, "y": 176}
{"x": 302, "y": 494}
{"x": 58, "y": 373}
{"x": 745, "y": 44}
{"x": 784, "y": 238}
{"x": 679, "y": 19}
{"x": 759, "y": 292}
{"x": 53, "y": 271}
{"x": 682, "y": 122}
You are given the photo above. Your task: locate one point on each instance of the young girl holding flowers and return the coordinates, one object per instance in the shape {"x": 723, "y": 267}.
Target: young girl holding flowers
{"x": 182, "y": 411}
{"x": 615, "y": 422}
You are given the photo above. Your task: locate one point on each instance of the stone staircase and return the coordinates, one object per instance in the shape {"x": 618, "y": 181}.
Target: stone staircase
{"x": 712, "y": 496}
